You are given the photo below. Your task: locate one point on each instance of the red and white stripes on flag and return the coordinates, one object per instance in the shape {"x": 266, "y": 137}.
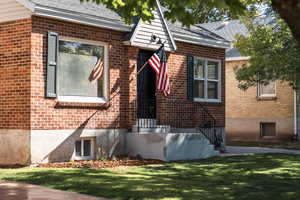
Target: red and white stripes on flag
{"x": 158, "y": 62}
{"x": 163, "y": 82}
{"x": 154, "y": 62}
{"x": 97, "y": 71}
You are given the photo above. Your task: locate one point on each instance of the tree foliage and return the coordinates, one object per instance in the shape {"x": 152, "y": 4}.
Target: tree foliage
{"x": 274, "y": 55}
{"x": 187, "y": 11}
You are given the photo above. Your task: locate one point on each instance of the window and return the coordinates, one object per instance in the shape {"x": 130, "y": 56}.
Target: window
{"x": 267, "y": 129}
{"x": 207, "y": 80}
{"x": 267, "y": 90}
{"x": 84, "y": 149}
{"x": 76, "y": 60}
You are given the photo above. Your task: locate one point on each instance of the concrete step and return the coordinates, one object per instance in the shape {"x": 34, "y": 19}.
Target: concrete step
{"x": 156, "y": 129}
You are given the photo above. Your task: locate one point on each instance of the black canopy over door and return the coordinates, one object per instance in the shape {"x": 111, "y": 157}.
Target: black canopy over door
{"x": 146, "y": 82}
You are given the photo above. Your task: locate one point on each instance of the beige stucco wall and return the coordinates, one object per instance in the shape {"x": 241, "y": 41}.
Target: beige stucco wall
{"x": 14, "y": 147}
{"x": 244, "y": 111}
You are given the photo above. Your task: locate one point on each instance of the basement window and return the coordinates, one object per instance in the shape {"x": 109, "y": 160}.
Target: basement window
{"x": 267, "y": 129}
{"x": 83, "y": 149}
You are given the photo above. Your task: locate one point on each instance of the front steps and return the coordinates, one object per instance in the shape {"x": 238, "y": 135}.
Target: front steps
{"x": 169, "y": 146}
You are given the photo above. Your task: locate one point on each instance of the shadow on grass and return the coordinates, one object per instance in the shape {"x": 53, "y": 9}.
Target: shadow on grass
{"x": 243, "y": 177}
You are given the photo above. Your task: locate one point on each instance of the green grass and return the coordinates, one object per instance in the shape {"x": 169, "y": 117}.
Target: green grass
{"x": 254, "y": 177}
{"x": 279, "y": 145}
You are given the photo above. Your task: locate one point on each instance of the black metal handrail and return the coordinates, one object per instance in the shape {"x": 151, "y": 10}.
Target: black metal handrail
{"x": 176, "y": 114}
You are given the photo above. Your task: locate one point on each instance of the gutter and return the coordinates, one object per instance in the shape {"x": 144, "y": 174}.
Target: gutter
{"x": 295, "y": 116}
{"x": 201, "y": 41}
{"x": 240, "y": 58}
{"x": 79, "y": 18}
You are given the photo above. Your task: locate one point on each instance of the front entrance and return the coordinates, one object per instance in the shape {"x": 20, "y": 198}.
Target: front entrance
{"x": 146, "y": 87}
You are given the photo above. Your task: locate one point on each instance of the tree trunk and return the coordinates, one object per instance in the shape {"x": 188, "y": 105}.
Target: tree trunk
{"x": 289, "y": 11}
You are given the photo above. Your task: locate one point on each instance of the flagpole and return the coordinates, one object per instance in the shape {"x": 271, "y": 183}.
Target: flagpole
{"x": 142, "y": 67}
{"x": 163, "y": 44}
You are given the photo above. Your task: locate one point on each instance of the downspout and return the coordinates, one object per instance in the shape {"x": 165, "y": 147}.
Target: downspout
{"x": 295, "y": 116}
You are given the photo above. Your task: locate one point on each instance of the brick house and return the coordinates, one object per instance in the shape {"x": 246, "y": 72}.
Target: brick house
{"x": 267, "y": 112}
{"x": 49, "y": 111}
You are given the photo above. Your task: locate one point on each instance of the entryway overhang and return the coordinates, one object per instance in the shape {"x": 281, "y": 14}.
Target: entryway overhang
{"x": 150, "y": 35}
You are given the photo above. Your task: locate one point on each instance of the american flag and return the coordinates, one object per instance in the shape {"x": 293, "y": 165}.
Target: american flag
{"x": 97, "y": 70}
{"x": 158, "y": 62}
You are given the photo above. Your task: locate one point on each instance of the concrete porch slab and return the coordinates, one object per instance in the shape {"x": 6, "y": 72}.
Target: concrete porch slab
{"x": 169, "y": 146}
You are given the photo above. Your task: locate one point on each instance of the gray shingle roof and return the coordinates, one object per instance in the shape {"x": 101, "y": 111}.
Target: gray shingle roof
{"x": 100, "y": 11}
{"x": 229, "y": 29}
{"x": 87, "y": 8}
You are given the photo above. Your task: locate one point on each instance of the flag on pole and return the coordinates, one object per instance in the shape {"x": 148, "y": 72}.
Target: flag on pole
{"x": 155, "y": 60}
{"x": 158, "y": 62}
{"x": 163, "y": 82}
{"x": 97, "y": 70}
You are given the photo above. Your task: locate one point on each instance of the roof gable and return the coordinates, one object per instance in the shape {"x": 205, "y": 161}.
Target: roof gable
{"x": 11, "y": 10}
{"x": 143, "y": 32}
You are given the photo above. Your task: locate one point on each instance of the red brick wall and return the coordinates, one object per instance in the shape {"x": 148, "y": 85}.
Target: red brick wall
{"x": 177, "y": 63}
{"x": 49, "y": 114}
{"x": 15, "y": 74}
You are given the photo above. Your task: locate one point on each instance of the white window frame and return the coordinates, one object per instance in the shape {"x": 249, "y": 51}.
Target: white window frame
{"x": 206, "y": 80}
{"x": 260, "y": 95}
{"x": 78, "y": 99}
{"x": 82, "y": 157}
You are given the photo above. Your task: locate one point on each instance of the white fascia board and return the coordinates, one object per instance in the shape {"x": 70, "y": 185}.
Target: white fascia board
{"x": 79, "y": 18}
{"x": 201, "y": 41}
{"x": 27, "y": 4}
{"x": 240, "y": 58}
{"x": 137, "y": 27}
{"x": 166, "y": 25}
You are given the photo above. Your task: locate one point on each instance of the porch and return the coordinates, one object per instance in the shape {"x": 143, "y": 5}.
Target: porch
{"x": 174, "y": 130}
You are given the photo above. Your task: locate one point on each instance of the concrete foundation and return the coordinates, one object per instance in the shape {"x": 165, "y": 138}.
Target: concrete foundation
{"x": 248, "y": 129}
{"x": 169, "y": 146}
{"x": 42, "y": 146}
{"x": 58, "y": 145}
{"x": 14, "y": 147}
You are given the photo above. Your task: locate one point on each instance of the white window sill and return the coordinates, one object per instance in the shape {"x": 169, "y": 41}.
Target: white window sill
{"x": 267, "y": 96}
{"x": 207, "y": 100}
{"x": 76, "y": 99}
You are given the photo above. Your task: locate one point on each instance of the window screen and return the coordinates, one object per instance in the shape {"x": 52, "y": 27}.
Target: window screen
{"x": 75, "y": 64}
{"x": 78, "y": 148}
{"x": 87, "y": 148}
{"x": 267, "y": 89}
{"x": 268, "y": 129}
{"x": 206, "y": 79}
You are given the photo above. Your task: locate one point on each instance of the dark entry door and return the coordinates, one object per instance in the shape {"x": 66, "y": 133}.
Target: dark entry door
{"x": 146, "y": 82}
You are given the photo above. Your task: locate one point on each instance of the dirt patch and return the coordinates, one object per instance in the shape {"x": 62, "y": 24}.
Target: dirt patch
{"x": 11, "y": 166}
{"x": 101, "y": 163}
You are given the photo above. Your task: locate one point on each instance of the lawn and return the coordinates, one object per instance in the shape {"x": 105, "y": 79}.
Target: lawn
{"x": 255, "y": 177}
{"x": 279, "y": 145}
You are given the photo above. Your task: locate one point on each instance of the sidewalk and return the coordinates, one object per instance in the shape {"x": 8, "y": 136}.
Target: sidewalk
{"x": 22, "y": 191}
{"x": 236, "y": 150}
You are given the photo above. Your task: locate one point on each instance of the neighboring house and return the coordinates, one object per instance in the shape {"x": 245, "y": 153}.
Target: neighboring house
{"x": 49, "y": 111}
{"x": 265, "y": 112}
